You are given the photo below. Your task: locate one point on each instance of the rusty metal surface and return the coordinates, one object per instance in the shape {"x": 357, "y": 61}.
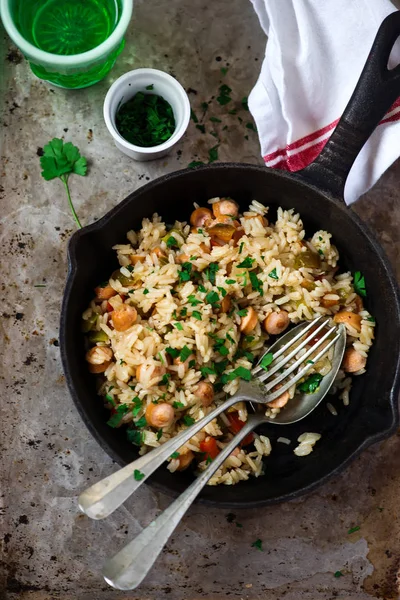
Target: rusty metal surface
{"x": 49, "y": 550}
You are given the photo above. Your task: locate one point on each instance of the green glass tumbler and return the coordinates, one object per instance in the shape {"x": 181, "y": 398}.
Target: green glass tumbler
{"x": 70, "y": 43}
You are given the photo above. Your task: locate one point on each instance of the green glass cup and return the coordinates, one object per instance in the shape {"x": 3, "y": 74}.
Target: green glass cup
{"x": 70, "y": 43}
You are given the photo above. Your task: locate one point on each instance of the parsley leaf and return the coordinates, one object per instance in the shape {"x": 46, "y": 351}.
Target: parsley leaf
{"x": 188, "y": 420}
{"x": 241, "y": 372}
{"x": 247, "y": 263}
{"x": 210, "y": 273}
{"x": 175, "y": 455}
{"x": 251, "y": 126}
{"x": 159, "y": 434}
{"x": 213, "y": 154}
{"x": 178, "y": 405}
{"x": 244, "y": 103}
{"x": 212, "y": 298}
{"x": 338, "y": 574}
{"x": 171, "y": 241}
{"x": 202, "y": 288}
{"x": 243, "y": 312}
{"x": 256, "y": 283}
{"x": 178, "y": 326}
{"x": 230, "y": 281}
{"x": 193, "y": 301}
{"x": 353, "y": 529}
{"x": 141, "y": 422}
{"x": 196, "y": 315}
{"x": 266, "y": 361}
{"x": 174, "y": 352}
{"x": 241, "y": 247}
{"x": 224, "y": 70}
{"x": 207, "y": 371}
{"x": 165, "y": 379}
{"x": 117, "y": 417}
{"x": 223, "y": 291}
{"x": 185, "y": 353}
{"x": 224, "y": 97}
{"x": 135, "y": 437}
{"x": 273, "y": 274}
{"x": 137, "y": 406}
{"x": 257, "y": 544}
{"x": 138, "y": 475}
{"x": 311, "y": 384}
{"x": 60, "y": 160}
{"x": 193, "y": 116}
{"x": 215, "y": 120}
{"x": 192, "y": 364}
{"x": 201, "y": 128}
{"x": 184, "y": 273}
{"x": 359, "y": 284}
{"x": 195, "y": 163}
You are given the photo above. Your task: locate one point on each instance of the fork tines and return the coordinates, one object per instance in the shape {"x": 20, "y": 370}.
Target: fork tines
{"x": 264, "y": 375}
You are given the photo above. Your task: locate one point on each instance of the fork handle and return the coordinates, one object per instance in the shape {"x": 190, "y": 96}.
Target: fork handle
{"x": 127, "y": 569}
{"x": 105, "y": 496}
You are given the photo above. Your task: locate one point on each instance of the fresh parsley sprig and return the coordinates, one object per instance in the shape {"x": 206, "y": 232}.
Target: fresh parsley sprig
{"x": 60, "y": 160}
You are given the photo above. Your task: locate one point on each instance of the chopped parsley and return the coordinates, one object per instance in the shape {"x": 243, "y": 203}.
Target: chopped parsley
{"x": 196, "y": 315}
{"x": 192, "y": 364}
{"x": 241, "y": 247}
{"x": 213, "y": 154}
{"x": 257, "y": 544}
{"x": 201, "y": 289}
{"x": 161, "y": 358}
{"x": 183, "y": 312}
{"x": 209, "y": 460}
{"x": 230, "y": 338}
{"x": 353, "y": 529}
{"x": 159, "y": 434}
{"x": 122, "y": 362}
{"x": 221, "y": 366}
{"x": 193, "y": 116}
{"x": 178, "y": 326}
{"x": 251, "y": 126}
{"x": 371, "y": 319}
{"x": 247, "y": 263}
{"x": 145, "y": 291}
{"x": 256, "y": 283}
{"x": 207, "y": 371}
{"x": 117, "y": 417}
{"x": 212, "y": 298}
{"x": 135, "y": 437}
{"x": 201, "y": 128}
{"x": 273, "y": 274}
{"x": 215, "y": 120}
{"x": 230, "y": 281}
{"x": 241, "y": 372}
{"x": 223, "y": 291}
{"x": 244, "y": 103}
{"x": 193, "y": 301}
{"x": 184, "y": 273}
{"x": 137, "y": 406}
{"x": 138, "y": 475}
{"x": 359, "y": 284}
{"x": 174, "y": 352}
{"x": 220, "y": 347}
{"x": 188, "y": 420}
{"x": 178, "y": 405}
{"x": 266, "y": 361}
{"x": 249, "y": 338}
{"x": 141, "y": 423}
{"x": 243, "y": 312}
{"x": 171, "y": 241}
{"x": 110, "y": 399}
{"x": 311, "y": 384}
{"x": 224, "y": 70}
{"x": 321, "y": 252}
{"x": 338, "y": 574}
{"x": 224, "y": 95}
{"x": 185, "y": 353}
{"x": 165, "y": 379}
{"x": 175, "y": 455}
{"x": 211, "y": 272}
{"x": 195, "y": 163}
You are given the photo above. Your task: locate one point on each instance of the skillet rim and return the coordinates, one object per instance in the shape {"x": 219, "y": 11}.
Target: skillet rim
{"x": 296, "y": 178}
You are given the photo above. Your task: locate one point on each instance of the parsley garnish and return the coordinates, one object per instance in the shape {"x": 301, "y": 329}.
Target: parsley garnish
{"x": 249, "y": 338}
{"x": 141, "y": 423}
{"x": 244, "y": 103}
{"x": 145, "y": 120}
{"x": 371, "y": 319}
{"x": 185, "y": 353}
{"x": 221, "y": 366}
{"x": 135, "y": 437}
{"x": 188, "y": 420}
{"x": 165, "y": 379}
{"x": 174, "y": 352}
{"x": 193, "y": 116}
{"x": 353, "y": 529}
{"x": 230, "y": 281}
{"x": 251, "y": 126}
{"x": 184, "y": 273}
{"x": 359, "y": 284}
{"x": 60, "y": 160}
{"x": 257, "y": 544}
{"x": 338, "y": 574}
{"x": 178, "y": 326}
{"x": 178, "y": 405}
{"x": 210, "y": 273}
{"x": 256, "y": 283}
{"x": 241, "y": 247}
{"x": 247, "y": 263}
{"x": 213, "y": 154}
{"x": 137, "y": 406}
{"x": 183, "y": 312}
{"x": 215, "y": 120}
{"x": 223, "y": 291}
{"x": 138, "y": 475}
{"x": 171, "y": 242}
{"x": 110, "y": 399}
{"x": 196, "y": 315}
{"x": 117, "y": 417}
{"x": 201, "y": 128}
{"x": 159, "y": 434}
{"x": 202, "y": 288}
{"x": 220, "y": 347}
{"x": 243, "y": 312}
{"x": 224, "y": 70}
{"x": 175, "y": 455}
{"x": 150, "y": 87}
{"x": 209, "y": 460}
{"x": 273, "y": 274}
{"x": 311, "y": 384}
{"x": 145, "y": 291}
{"x": 195, "y": 163}
{"x": 224, "y": 97}
{"x": 207, "y": 371}
{"x": 193, "y": 301}
{"x": 241, "y": 372}
{"x": 266, "y": 361}
{"x": 192, "y": 363}
{"x": 212, "y": 298}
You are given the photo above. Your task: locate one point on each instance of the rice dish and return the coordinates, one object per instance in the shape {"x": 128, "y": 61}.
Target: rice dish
{"x": 192, "y": 308}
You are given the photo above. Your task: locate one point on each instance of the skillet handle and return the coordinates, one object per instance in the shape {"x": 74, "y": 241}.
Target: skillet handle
{"x": 376, "y": 91}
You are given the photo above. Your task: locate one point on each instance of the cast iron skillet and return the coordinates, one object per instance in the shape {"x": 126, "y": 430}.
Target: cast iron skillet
{"x": 317, "y": 193}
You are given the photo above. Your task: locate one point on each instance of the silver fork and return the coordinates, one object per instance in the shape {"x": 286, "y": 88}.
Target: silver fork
{"x": 127, "y": 569}
{"x": 105, "y": 496}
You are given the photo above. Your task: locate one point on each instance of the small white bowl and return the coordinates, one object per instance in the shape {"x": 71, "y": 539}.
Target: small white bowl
{"x": 136, "y": 81}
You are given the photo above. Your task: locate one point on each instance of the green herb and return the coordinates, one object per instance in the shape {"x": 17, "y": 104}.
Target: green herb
{"x": 192, "y": 364}
{"x": 193, "y": 258}
{"x": 117, "y": 417}
{"x": 230, "y": 281}
{"x": 135, "y": 437}
{"x": 145, "y": 120}
{"x": 266, "y": 361}
{"x": 230, "y": 338}
{"x": 232, "y": 112}
{"x": 202, "y": 288}
{"x": 256, "y": 283}
{"x": 178, "y": 326}
{"x": 193, "y": 301}
{"x": 178, "y": 405}
{"x": 150, "y": 87}
{"x": 273, "y": 274}
{"x": 224, "y": 70}
{"x": 196, "y": 315}
{"x": 193, "y": 116}
{"x": 249, "y": 338}
{"x": 223, "y": 291}
{"x": 353, "y": 529}
{"x": 215, "y": 120}
{"x": 243, "y": 312}
{"x": 188, "y": 420}
{"x": 175, "y": 455}
{"x": 145, "y": 291}
{"x": 224, "y": 97}
{"x": 221, "y": 366}
{"x": 185, "y": 353}
{"x": 138, "y": 475}
{"x": 184, "y": 273}
{"x": 210, "y": 273}
{"x": 183, "y": 312}
{"x": 241, "y": 372}
{"x": 338, "y": 574}
{"x": 241, "y": 247}
{"x": 207, "y": 371}
{"x": 209, "y": 460}
{"x": 137, "y": 406}
{"x": 201, "y": 128}
{"x": 165, "y": 379}
{"x": 311, "y": 384}
{"x": 214, "y": 134}
{"x": 212, "y": 298}
{"x": 371, "y": 319}
{"x": 141, "y": 422}
{"x": 195, "y": 163}
{"x": 257, "y": 544}
{"x": 110, "y": 399}
{"x": 247, "y": 263}
{"x": 220, "y": 347}
{"x": 42, "y": 285}
{"x": 159, "y": 434}
{"x": 130, "y": 268}
{"x": 204, "y": 106}
{"x": 359, "y": 284}
{"x": 174, "y": 352}
{"x": 320, "y": 252}
{"x": 60, "y": 160}
{"x": 244, "y": 103}
{"x": 171, "y": 242}
{"x": 213, "y": 154}
{"x": 251, "y": 126}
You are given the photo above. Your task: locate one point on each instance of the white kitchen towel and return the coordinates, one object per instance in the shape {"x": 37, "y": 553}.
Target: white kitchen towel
{"x": 315, "y": 53}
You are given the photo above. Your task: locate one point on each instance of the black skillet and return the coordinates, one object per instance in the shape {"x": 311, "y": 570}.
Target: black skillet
{"x": 317, "y": 193}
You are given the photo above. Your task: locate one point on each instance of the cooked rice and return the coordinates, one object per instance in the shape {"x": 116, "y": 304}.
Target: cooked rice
{"x": 295, "y": 275}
